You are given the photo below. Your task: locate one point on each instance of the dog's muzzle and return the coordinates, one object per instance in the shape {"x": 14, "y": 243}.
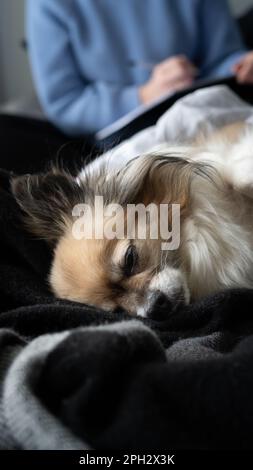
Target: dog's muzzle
{"x": 161, "y": 306}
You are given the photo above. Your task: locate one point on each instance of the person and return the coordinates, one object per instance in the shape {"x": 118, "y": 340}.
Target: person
{"x": 94, "y": 61}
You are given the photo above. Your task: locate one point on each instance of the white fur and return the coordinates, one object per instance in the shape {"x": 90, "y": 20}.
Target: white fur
{"x": 168, "y": 281}
{"x": 217, "y": 237}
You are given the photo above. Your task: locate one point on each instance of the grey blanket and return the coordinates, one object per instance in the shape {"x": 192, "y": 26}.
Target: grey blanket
{"x": 186, "y": 384}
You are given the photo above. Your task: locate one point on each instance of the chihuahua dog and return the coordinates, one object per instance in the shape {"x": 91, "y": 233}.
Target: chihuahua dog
{"x": 211, "y": 181}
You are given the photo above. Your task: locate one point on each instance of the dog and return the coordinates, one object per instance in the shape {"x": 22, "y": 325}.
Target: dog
{"x": 210, "y": 179}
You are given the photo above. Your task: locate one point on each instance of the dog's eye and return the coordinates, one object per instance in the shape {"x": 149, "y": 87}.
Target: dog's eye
{"x": 131, "y": 259}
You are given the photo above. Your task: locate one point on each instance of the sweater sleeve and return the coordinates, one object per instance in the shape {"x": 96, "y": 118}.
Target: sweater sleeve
{"x": 71, "y": 102}
{"x": 221, "y": 43}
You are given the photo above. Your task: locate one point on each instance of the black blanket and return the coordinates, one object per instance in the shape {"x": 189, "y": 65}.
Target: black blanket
{"x": 74, "y": 377}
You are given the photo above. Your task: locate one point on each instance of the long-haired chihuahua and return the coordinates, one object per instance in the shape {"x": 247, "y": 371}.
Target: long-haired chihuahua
{"x": 210, "y": 180}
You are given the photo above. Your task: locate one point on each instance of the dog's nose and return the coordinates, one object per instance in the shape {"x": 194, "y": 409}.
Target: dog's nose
{"x": 162, "y": 306}
{"x": 162, "y": 302}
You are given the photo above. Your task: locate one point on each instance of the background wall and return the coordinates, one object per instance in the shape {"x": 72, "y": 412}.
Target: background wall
{"x": 15, "y": 78}
{"x": 238, "y": 6}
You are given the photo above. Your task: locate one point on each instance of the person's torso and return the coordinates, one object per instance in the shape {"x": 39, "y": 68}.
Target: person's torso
{"x": 121, "y": 40}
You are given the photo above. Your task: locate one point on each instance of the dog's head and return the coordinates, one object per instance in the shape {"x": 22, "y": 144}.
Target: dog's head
{"x": 128, "y": 272}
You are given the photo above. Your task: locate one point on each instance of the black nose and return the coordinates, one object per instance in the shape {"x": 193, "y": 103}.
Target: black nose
{"x": 161, "y": 307}
{"x": 162, "y": 302}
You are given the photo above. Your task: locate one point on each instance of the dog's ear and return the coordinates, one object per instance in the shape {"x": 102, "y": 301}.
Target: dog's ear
{"x": 47, "y": 201}
{"x": 157, "y": 179}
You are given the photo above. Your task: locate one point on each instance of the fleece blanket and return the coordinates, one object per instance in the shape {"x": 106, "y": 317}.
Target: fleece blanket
{"x": 74, "y": 377}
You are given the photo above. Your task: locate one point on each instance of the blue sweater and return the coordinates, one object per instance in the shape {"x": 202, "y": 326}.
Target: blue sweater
{"x": 86, "y": 55}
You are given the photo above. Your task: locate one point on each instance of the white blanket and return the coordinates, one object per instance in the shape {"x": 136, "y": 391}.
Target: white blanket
{"x": 206, "y": 109}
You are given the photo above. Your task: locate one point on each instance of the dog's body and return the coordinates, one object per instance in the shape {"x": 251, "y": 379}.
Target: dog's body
{"x": 212, "y": 180}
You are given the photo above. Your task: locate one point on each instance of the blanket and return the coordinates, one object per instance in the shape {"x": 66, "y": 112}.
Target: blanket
{"x": 74, "y": 377}
{"x": 202, "y": 111}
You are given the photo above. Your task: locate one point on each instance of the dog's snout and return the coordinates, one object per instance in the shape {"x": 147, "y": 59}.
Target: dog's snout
{"x": 163, "y": 305}
{"x": 162, "y": 302}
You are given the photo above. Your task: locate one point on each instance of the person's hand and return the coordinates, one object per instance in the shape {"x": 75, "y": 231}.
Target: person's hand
{"x": 244, "y": 69}
{"x": 173, "y": 74}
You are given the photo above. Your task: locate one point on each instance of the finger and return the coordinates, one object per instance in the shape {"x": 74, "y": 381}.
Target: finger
{"x": 245, "y": 73}
{"x": 176, "y": 65}
{"x": 176, "y": 61}
{"x": 181, "y": 85}
{"x": 246, "y": 59}
{"x": 179, "y": 69}
{"x": 178, "y": 74}
{"x": 191, "y": 69}
{"x": 182, "y": 59}
{"x": 237, "y": 67}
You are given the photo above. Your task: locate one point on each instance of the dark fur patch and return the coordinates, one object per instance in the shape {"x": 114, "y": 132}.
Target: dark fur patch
{"x": 47, "y": 201}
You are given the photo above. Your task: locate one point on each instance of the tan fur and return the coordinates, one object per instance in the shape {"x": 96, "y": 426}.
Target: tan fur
{"x": 90, "y": 271}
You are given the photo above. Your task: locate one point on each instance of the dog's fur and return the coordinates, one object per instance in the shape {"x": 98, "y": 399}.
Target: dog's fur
{"x": 211, "y": 179}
